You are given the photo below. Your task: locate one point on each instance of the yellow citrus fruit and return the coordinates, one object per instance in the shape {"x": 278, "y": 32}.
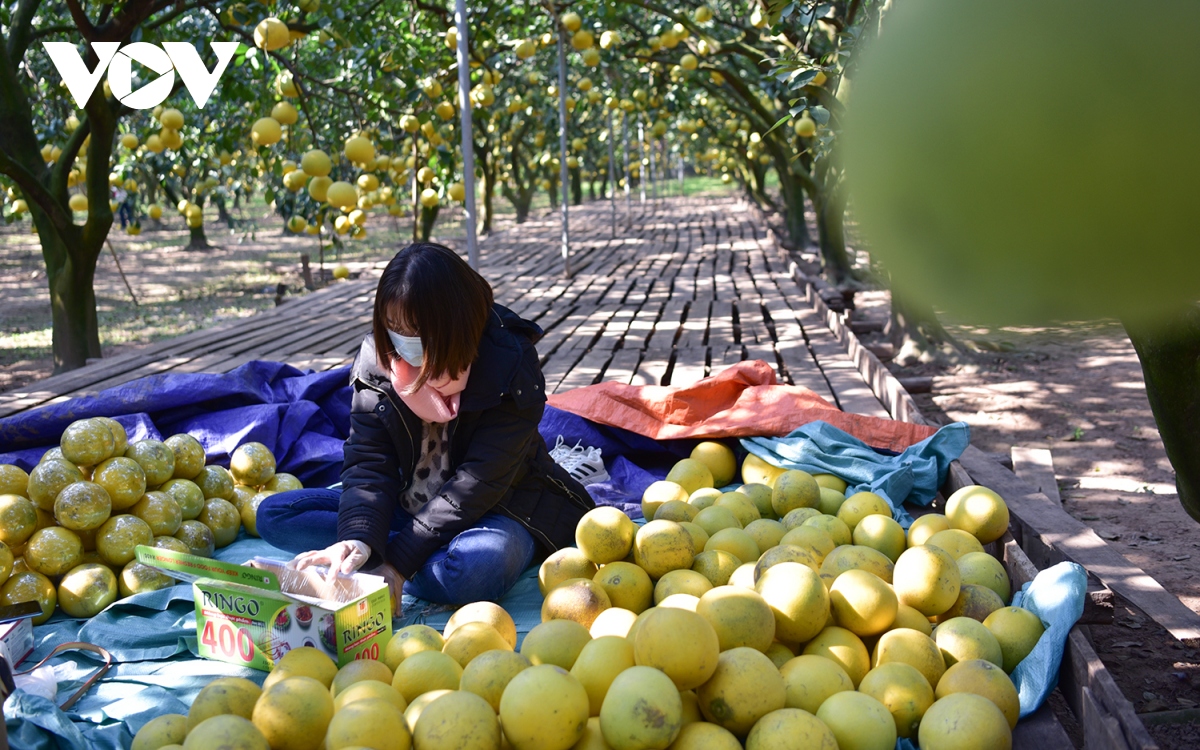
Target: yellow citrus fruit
{"x": 740, "y": 617}
{"x": 53, "y": 551}
{"x": 662, "y": 546}
{"x": 913, "y": 648}
{"x": 907, "y": 617}
{"x": 563, "y": 565}
{"x": 658, "y": 493}
{"x": 716, "y": 565}
{"x": 903, "y": 691}
{"x": 189, "y": 455}
{"x": 30, "y": 586}
{"x": 252, "y": 464}
{"x": 858, "y": 722}
{"x": 716, "y": 517}
{"x": 155, "y": 458}
{"x": 87, "y": 442}
{"x": 489, "y": 674}
{"x": 13, "y": 480}
{"x": 225, "y": 731}
{"x": 926, "y": 526}
{"x": 294, "y": 713}
{"x": 701, "y": 735}
{"x": 161, "y": 731}
{"x": 810, "y": 679}
{"x": 222, "y": 696}
{"x": 742, "y": 507}
{"x": 962, "y": 639}
{"x": 718, "y": 458}
{"x": 544, "y": 707}
{"x": 927, "y": 579}
{"x": 599, "y": 663}
{"x": 83, "y": 506}
{"x": 458, "y": 719}
{"x": 87, "y": 589}
{"x": 488, "y": 613}
{"x": 979, "y": 511}
{"x": 881, "y": 533}
{"x": 766, "y": 533}
{"x": 790, "y": 727}
{"x": 627, "y": 586}
{"x": 691, "y": 474}
{"x": 641, "y": 710}
{"x": 471, "y": 639}
{"x": 955, "y": 542}
{"x": 1017, "y": 630}
{"x": 358, "y": 671}
{"x": 844, "y": 648}
{"x": 373, "y": 723}
{"x": 266, "y": 131}
{"x": 964, "y": 721}
{"x": 680, "y": 582}
{"x": 605, "y": 535}
{"x": 613, "y": 621}
{"x": 660, "y": 643}
{"x": 860, "y": 505}
{"x": 975, "y": 602}
{"x": 984, "y": 679}
{"x": 838, "y": 531}
{"x": 745, "y": 687}
{"x": 365, "y": 690}
{"x": 794, "y": 489}
{"x": 757, "y": 471}
{"x": 556, "y": 642}
{"x": 862, "y": 603}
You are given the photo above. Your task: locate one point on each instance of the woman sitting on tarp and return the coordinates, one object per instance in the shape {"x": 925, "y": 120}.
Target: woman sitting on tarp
{"x": 447, "y": 487}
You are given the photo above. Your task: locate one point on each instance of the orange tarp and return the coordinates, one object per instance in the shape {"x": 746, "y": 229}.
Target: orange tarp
{"x": 742, "y": 401}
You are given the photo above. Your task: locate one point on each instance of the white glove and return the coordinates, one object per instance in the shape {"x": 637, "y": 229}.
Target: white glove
{"x": 342, "y": 557}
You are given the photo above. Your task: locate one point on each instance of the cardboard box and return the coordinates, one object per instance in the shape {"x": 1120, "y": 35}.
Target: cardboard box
{"x": 252, "y": 616}
{"x": 16, "y": 631}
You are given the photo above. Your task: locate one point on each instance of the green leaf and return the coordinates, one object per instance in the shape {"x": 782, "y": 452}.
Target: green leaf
{"x": 781, "y": 121}
{"x": 820, "y": 115}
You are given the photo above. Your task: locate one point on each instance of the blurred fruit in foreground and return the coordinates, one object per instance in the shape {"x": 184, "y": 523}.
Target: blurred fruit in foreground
{"x": 938, "y": 170}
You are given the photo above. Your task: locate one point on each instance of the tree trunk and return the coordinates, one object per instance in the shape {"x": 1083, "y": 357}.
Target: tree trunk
{"x": 831, "y": 236}
{"x": 489, "y": 192}
{"x": 919, "y": 336}
{"x": 222, "y": 215}
{"x": 76, "y": 332}
{"x": 792, "y": 191}
{"x": 198, "y": 240}
{"x": 1170, "y": 357}
{"x": 576, "y": 187}
{"x": 553, "y": 191}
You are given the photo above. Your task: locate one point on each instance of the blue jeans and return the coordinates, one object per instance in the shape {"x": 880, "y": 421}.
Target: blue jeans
{"x": 482, "y": 563}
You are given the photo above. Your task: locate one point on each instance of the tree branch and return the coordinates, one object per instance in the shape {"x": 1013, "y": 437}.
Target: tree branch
{"x": 19, "y": 35}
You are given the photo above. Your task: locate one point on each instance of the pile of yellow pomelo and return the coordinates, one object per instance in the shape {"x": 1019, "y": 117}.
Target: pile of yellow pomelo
{"x": 780, "y": 615}
{"x": 69, "y": 528}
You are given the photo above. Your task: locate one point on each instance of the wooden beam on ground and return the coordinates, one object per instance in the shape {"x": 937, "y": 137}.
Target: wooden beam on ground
{"x": 1036, "y": 466}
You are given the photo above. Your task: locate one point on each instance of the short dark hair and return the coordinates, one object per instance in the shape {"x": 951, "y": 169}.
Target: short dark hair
{"x": 432, "y": 290}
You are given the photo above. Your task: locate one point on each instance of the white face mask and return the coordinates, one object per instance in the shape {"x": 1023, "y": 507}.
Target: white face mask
{"x": 408, "y": 347}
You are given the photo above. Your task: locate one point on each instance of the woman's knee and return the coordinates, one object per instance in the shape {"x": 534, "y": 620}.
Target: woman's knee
{"x": 480, "y": 564}
{"x": 299, "y": 520}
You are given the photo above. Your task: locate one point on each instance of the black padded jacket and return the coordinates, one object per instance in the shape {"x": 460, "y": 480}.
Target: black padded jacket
{"x": 499, "y": 459}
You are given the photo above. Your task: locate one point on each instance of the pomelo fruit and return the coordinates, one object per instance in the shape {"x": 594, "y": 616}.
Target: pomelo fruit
{"x": 740, "y": 617}
{"x": 734, "y": 541}
{"x": 797, "y": 598}
{"x": 831, "y": 501}
{"x": 833, "y": 526}
{"x": 862, "y": 603}
{"x": 18, "y": 519}
{"x": 742, "y": 507}
{"x": 359, "y": 670}
{"x": 880, "y": 533}
{"x": 86, "y": 590}
{"x": 614, "y": 621}
{"x": 48, "y": 479}
{"x": 189, "y": 455}
{"x": 982, "y": 569}
{"x": 82, "y": 506}
{"x": 853, "y": 557}
{"x": 907, "y": 617}
{"x": 812, "y": 538}
{"x": 459, "y": 720}
{"x": 860, "y": 505}
{"x": 155, "y": 458}
{"x": 718, "y": 458}
{"x": 745, "y": 687}
{"x": 844, "y": 649}
{"x": 716, "y": 565}
{"x": 976, "y": 602}
{"x": 198, "y": 537}
{"x": 681, "y": 582}
{"x": 705, "y": 497}
{"x": 658, "y": 493}
{"x": 599, "y": 663}
{"x": 252, "y": 464}
{"x": 167, "y": 729}
{"x": 412, "y": 714}
{"x": 962, "y": 639}
{"x": 222, "y": 696}
{"x": 790, "y": 727}
{"x": 796, "y": 518}
{"x": 927, "y": 579}
{"x": 188, "y": 494}
{"x": 810, "y": 679}
{"x": 410, "y": 640}
{"x": 420, "y": 673}
{"x": 662, "y": 546}
{"x": 122, "y": 479}
{"x": 985, "y": 679}
{"x": 913, "y": 648}
{"x": 54, "y": 550}
{"x": 472, "y": 639}
{"x": 680, "y": 643}
{"x": 544, "y": 708}
{"x": 307, "y": 661}
{"x": 160, "y": 511}
{"x": 903, "y": 691}
{"x": 1017, "y": 630}
{"x": 794, "y": 489}
{"x": 367, "y": 689}
{"x": 829, "y": 481}
{"x": 716, "y": 518}
{"x": 564, "y": 564}
{"x": 488, "y": 613}
{"x": 214, "y": 481}
{"x": 955, "y": 542}
{"x": 697, "y": 533}
{"x": 30, "y": 586}
{"x": 766, "y": 533}
{"x": 87, "y": 442}
{"x": 578, "y": 599}
{"x": 701, "y": 735}
{"x": 627, "y": 585}
{"x": 373, "y": 723}
{"x": 489, "y": 673}
{"x": 557, "y": 642}
{"x": 226, "y": 731}
{"x": 691, "y": 474}
{"x": 858, "y": 722}
{"x": 926, "y": 526}
{"x": 979, "y": 511}
{"x": 760, "y": 495}
{"x": 641, "y": 710}
{"x": 964, "y": 721}
{"x": 605, "y": 535}
{"x": 787, "y": 553}
{"x": 13, "y": 480}
{"x": 757, "y": 471}
{"x": 294, "y": 714}
{"x": 676, "y": 510}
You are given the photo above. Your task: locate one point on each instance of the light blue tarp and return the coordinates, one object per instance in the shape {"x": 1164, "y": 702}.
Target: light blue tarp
{"x": 913, "y": 476}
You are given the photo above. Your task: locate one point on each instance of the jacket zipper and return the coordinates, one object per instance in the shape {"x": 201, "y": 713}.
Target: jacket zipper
{"x": 571, "y": 495}
{"x": 528, "y": 527}
{"x": 399, "y": 415}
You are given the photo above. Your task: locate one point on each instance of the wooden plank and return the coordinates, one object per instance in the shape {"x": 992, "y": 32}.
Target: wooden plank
{"x": 690, "y": 366}
{"x": 585, "y": 372}
{"x": 1036, "y": 466}
{"x": 623, "y": 366}
{"x": 652, "y": 368}
{"x": 1041, "y": 730}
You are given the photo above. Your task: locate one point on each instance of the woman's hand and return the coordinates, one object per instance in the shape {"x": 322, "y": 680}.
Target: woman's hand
{"x": 342, "y": 557}
{"x": 395, "y": 583}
